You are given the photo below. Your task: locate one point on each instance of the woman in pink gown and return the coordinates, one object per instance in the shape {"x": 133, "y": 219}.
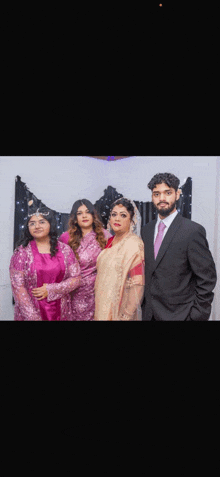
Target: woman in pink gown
{"x": 87, "y": 238}
{"x": 43, "y": 272}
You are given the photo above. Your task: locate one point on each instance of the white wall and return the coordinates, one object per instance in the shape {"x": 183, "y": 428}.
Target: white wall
{"x": 59, "y": 181}
{"x": 216, "y": 305}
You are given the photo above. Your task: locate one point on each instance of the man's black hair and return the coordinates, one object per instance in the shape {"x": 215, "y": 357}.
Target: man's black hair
{"x": 167, "y": 178}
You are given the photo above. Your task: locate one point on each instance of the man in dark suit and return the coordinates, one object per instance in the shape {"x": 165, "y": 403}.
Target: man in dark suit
{"x": 180, "y": 273}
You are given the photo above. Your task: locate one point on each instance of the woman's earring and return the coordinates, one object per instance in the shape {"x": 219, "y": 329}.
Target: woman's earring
{"x": 132, "y": 227}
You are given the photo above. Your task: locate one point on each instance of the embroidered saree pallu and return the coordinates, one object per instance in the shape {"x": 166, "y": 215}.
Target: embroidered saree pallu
{"x": 119, "y": 285}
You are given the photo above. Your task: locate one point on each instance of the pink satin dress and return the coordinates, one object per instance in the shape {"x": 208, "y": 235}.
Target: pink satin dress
{"x": 49, "y": 270}
{"x": 30, "y": 269}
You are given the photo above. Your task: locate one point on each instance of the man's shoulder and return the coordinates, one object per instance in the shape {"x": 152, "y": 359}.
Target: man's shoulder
{"x": 187, "y": 224}
{"x": 149, "y": 226}
{"x": 191, "y": 225}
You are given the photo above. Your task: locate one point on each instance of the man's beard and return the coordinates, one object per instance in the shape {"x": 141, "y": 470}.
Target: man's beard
{"x": 165, "y": 212}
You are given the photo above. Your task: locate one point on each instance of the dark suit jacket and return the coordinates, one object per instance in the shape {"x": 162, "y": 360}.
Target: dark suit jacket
{"x": 179, "y": 283}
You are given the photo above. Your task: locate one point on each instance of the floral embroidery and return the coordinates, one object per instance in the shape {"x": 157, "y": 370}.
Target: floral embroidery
{"x": 118, "y": 296}
{"x": 24, "y": 279}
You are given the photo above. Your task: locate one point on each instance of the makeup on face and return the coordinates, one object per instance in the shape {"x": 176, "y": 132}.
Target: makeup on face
{"x": 84, "y": 217}
{"x": 164, "y": 198}
{"x": 39, "y": 226}
{"x": 120, "y": 219}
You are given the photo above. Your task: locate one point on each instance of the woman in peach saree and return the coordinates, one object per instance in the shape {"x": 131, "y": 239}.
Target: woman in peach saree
{"x": 119, "y": 286}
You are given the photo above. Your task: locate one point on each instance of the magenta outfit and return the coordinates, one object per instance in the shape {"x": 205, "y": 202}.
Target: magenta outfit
{"x": 30, "y": 269}
{"x": 83, "y": 299}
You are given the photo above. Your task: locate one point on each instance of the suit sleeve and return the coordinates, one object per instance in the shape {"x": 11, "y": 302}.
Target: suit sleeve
{"x": 203, "y": 267}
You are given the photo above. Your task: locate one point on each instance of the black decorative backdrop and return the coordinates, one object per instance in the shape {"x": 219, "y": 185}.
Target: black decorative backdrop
{"x": 146, "y": 209}
{"x": 22, "y": 197}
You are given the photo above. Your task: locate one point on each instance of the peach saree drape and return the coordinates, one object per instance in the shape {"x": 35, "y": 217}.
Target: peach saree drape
{"x": 119, "y": 285}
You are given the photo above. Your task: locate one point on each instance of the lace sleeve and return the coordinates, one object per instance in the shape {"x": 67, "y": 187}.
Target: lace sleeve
{"x": 130, "y": 308}
{"x": 20, "y": 293}
{"x": 58, "y": 290}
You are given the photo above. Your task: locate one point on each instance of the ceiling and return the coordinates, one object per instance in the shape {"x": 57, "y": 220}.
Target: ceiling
{"x": 109, "y": 158}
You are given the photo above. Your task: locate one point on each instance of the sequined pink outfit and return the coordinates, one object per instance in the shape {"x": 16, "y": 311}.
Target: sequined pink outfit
{"x": 83, "y": 299}
{"x": 29, "y": 269}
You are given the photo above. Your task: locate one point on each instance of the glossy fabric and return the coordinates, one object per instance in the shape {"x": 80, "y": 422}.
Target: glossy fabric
{"x": 49, "y": 270}
{"x": 83, "y": 299}
{"x": 62, "y": 274}
{"x": 159, "y": 239}
{"x": 119, "y": 285}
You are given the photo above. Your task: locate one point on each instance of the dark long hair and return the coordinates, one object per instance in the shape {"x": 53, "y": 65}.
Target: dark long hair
{"x": 75, "y": 231}
{"x": 27, "y": 237}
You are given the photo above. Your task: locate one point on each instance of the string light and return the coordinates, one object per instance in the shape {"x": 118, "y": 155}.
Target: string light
{"x": 104, "y": 203}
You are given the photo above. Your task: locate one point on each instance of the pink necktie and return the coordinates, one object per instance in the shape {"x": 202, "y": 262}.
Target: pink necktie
{"x": 159, "y": 238}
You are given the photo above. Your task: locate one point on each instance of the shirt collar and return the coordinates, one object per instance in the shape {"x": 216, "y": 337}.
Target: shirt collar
{"x": 167, "y": 220}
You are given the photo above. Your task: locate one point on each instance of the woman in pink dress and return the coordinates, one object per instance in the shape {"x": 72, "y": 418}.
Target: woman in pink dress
{"x": 43, "y": 272}
{"x": 87, "y": 238}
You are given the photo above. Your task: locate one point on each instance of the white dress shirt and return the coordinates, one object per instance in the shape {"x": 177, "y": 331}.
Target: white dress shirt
{"x": 167, "y": 221}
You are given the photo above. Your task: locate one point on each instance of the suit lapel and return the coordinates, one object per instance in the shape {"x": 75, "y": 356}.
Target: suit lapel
{"x": 167, "y": 239}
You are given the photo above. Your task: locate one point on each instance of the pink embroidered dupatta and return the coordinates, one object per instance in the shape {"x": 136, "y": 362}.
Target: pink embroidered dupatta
{"x": 83, "y": 299}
